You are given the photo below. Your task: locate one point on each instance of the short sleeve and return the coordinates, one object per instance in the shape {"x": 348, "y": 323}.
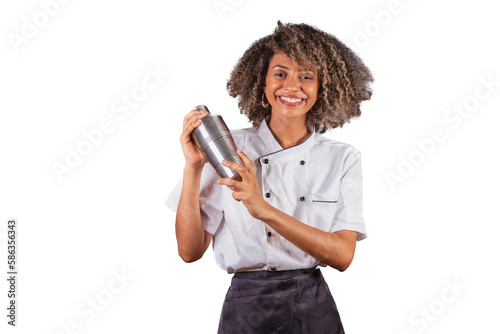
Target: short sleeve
{"x": 349, "y": 213}
{"x": 210, "y": 199}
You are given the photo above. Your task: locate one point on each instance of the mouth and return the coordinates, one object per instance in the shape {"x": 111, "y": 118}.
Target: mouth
{"x": 291, "y": 101}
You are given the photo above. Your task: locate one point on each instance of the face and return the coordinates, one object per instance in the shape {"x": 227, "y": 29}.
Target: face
{"x": 290, "y": 88}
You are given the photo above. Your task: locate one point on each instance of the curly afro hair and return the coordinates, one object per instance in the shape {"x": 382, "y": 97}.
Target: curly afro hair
{"x": 344, "y": 81}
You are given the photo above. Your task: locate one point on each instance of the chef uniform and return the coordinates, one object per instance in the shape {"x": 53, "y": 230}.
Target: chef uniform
{"x": 277, "y": 288}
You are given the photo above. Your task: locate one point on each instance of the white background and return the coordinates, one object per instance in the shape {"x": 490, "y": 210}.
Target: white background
{"x": 436, "y": 227}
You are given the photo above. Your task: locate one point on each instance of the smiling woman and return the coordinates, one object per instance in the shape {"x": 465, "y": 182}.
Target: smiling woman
{"x": 291, "y": 91}
{"x": 301, "y": 192}
{"x": 343, "y": 79}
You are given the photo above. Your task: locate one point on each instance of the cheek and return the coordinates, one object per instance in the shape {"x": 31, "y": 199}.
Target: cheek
{"x": 313, "y": 94}
{"x": 269, "y": 93}
{"x": 314, "y": 91}
{"x": 268, "y": 87}
{"x": 271, "y": 83}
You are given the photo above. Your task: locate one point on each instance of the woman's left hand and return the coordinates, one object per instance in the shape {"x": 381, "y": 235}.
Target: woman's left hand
{"x": 247, "y": 190}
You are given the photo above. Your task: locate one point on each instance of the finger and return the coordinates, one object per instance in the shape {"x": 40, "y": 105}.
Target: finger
{"x": 193, "y": 116}
{"x": 235, "y": 196}
{"x": 246, "y": 160}
{"x": 191, "y": 122}
{"x": 188, "y": 116}
{"x": 186, "y": 132}
{"x": 232, "y": 184}
{"x": 234, "y": 166}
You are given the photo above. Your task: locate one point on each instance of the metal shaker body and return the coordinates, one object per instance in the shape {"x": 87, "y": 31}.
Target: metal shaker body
{"x": 214, "y": 139}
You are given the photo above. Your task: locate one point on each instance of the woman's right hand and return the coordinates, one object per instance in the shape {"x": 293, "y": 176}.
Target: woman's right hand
{"x": 192, "y": 154}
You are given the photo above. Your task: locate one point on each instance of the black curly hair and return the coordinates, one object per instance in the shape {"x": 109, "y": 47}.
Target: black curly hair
{"x": 344, "y": 81}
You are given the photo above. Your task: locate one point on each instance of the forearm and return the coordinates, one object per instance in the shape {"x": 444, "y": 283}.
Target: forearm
{"x": 191, "y": 236}
{"x": 334, "y": 249}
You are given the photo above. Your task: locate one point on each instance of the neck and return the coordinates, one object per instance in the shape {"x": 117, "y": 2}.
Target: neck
{"x": 289, "y": 133}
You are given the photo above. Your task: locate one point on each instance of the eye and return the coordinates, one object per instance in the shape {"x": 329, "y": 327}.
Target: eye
{"x": 307, "y": 76}
{"x": 281, "y": 75}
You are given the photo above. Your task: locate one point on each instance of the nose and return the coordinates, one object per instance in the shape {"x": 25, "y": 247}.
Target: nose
{"x": 292, "y": 83}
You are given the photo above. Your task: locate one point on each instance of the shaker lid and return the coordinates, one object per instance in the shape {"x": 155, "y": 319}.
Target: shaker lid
{"x": 202, "y": 107}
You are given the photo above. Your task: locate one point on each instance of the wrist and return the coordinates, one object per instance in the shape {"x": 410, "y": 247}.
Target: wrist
{"x": 267, "y": 213}
{"x": 192, "y": 172}
{"x": 193, "y": 168}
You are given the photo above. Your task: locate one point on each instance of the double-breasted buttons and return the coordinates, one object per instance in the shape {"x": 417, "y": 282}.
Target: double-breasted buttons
{"x": 302, "y": 162}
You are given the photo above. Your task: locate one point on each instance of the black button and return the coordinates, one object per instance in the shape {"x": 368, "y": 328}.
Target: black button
{"x": 302, "y": 162}
{"x": 266, "y": 161}
{"x": 269, "y": 234}
{"x": 268, "y": 195}
{"x": 302, "y": 199}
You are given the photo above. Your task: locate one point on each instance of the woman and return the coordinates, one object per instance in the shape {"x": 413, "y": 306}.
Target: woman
{"x": 298, "y": 204}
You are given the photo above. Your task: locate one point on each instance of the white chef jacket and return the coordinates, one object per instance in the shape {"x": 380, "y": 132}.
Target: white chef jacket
{"x": 318, "y": 182}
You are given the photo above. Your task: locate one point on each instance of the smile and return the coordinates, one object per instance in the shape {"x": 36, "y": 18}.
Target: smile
{"x": 290, "y": 101}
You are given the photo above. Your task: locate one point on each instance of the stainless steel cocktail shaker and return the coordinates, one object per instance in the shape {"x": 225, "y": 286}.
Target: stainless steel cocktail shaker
{"x": 213, "y": 138}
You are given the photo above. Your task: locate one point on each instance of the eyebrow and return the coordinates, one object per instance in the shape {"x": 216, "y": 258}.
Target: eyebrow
{"x": 302, "y": 69}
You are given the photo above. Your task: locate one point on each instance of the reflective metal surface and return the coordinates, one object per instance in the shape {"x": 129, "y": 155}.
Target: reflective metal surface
{"x": 215, "y": 141}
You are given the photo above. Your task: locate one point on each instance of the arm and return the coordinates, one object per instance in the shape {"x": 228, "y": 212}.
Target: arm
{"x": 334, "y": 249}
{"x": 192, "y": 239}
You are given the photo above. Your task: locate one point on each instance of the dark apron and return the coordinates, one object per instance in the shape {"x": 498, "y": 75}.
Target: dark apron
{"x": 291, "y": 302}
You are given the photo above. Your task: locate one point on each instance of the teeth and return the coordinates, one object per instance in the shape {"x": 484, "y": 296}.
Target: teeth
{"x": 288, "y": 99}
